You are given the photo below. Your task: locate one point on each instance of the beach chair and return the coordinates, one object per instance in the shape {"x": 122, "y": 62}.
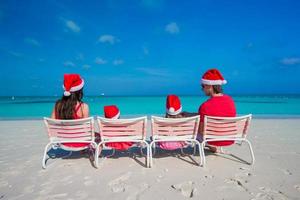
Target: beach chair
{"x": 227, "y": 129}
{"x": 174, "y": 130}
{"x": 77, "y": 131}
{"x": 122, "y": 130}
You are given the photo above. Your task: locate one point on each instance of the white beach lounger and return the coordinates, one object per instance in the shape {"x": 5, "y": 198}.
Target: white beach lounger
{"x": 69, "y": 131}
{"x": 174, "y": 130}
{"x": 122, "y": 130}
{"x": 227, "y": 129}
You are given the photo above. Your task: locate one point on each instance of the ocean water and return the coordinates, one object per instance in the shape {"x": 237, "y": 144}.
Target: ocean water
{"x": 259, "y": 106}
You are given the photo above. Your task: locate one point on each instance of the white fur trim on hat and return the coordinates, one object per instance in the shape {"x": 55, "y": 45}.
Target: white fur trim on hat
{"x": 78, "y": 87}
{"x": 117, "y": 116}
{"x": 213, "y": 82}
{"x": 74, "y": 89}
{"x": 171, "y": 111}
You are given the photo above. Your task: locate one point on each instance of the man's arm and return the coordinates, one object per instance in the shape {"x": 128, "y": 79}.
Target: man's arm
{"x": 201, "y": 128}
{"x": 188, "y": 114}
{"x": 201, "y": 112}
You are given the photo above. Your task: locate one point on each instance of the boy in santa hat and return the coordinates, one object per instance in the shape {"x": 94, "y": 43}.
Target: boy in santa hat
{"x": 218, "y": 104}
{"x": 113, "y": 112}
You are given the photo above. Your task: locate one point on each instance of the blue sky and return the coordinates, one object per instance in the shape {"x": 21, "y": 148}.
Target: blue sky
{"x": 149, "y": 47}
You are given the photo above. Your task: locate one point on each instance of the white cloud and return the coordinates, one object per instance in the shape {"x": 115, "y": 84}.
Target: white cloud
{"x": 290, "y": 61}
{"x": 118, "y": 62}
{"x": 172, "y": 28}
{"x": 16, "y": 54}
{"x": 69, "y": 64}
{"x": 72, "y": 26}
{"x": 153, "y": 71}
{"x": 32, "y": 41}
{"x": 108, "y": 39}
{"x": 100, "y": 61}
{"x": 86, "y": 66}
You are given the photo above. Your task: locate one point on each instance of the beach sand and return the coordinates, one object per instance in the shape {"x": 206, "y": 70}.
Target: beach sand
{"x": 275, "y": 174}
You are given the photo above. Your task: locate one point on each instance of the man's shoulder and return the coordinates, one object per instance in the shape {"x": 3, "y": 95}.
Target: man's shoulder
{"x": 206, "y": 104}
{"x": 217, "y": 100}
{"x": 228, "y": 98}
{"x": 222, "y": 98}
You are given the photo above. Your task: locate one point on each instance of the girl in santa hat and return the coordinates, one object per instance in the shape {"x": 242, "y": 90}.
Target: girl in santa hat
{"x": 173, "y": 110}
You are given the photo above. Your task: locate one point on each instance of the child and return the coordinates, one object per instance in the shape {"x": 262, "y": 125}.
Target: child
{"x": 173, "y": 110}
{"x": 112, "y": 112}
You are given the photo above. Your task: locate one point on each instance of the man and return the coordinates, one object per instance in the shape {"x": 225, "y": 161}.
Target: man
{"x": 218, "y": 104}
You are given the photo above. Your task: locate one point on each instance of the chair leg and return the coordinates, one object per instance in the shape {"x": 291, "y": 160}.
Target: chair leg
{"x": 45, "y": 154}
{"x": 94, "y": 152}
{"x": 203, "y": 154}
{"x": 97, "y": 154}
{"x": 150, "y": 154}
{"x": 197, "y": 143}
{"x": 147, "y": 155}
{"x": 251, "y": 151}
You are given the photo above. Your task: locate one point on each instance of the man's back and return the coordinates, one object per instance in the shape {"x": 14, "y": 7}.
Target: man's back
{"x": 221, "y": 106}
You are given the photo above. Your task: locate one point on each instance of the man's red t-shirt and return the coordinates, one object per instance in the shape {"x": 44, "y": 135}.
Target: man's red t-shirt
{"x": 219, "y": 106}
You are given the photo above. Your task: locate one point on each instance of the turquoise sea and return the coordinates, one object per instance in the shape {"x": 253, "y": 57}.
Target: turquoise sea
{"x": 285, "y": 106}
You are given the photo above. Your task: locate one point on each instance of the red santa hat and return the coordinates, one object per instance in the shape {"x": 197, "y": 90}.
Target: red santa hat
{"x": 72, "y": 83}
{"x": 213, "y": 77}
{"x": 111, "y": 112}
{"x": 173, "y": 105}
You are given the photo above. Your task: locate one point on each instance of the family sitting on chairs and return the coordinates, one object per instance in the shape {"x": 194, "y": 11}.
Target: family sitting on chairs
{"x": 71, "y": 108}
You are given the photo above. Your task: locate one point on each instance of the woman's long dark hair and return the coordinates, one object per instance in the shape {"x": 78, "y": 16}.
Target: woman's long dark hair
{"x": 65, "y": 107}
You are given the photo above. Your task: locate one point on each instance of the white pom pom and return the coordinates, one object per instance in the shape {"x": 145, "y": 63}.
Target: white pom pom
{"x": 67, "y": 93}
{"x": 171, "y": 110}
{"x": 224, "y": 82}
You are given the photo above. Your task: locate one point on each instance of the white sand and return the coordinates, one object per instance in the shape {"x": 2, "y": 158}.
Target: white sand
{"x": 275, "y": 175}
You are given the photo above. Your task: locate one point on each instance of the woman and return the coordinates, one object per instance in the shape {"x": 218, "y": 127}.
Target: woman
{"x": 70, "y": 106}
